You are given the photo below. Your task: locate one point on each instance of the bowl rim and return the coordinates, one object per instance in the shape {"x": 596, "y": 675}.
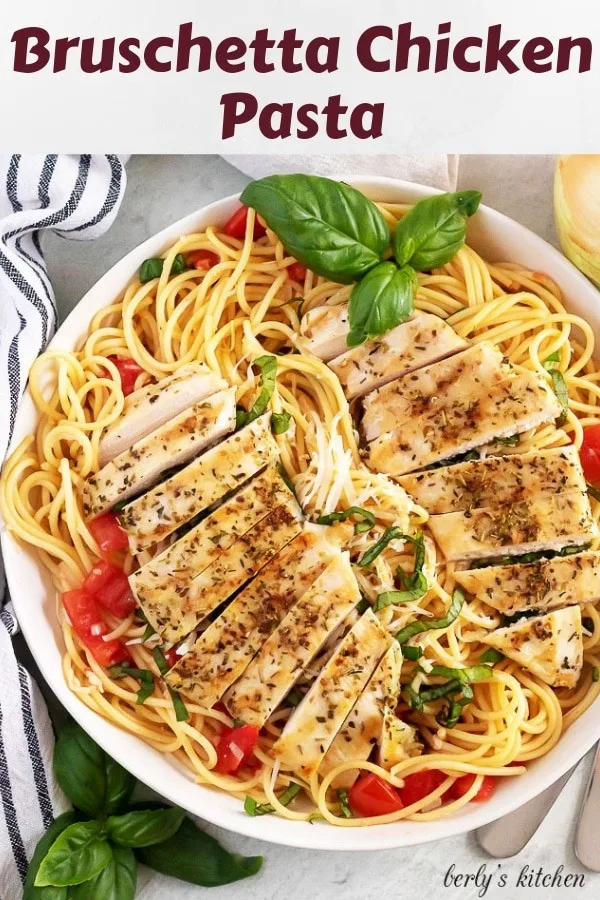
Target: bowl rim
{"x": 137, "y": 756}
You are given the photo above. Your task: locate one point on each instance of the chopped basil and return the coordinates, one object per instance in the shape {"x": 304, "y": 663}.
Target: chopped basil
{"x": 457, "y": 689}
{"x": 152, "y": 268}
{"x": 389, "y": 535}
{"x": 550, "y": 360}
{"x": 280, "y": 422}
{"x": 287, "y": 479}
{"x": 535, "y": 556}
{"x": 344, "y": 802}
{"x": 359, "y": 527}
{"x": 362, "y": 606}
{"x": 515, "y": 617}
{"x": 253, "y": 808}
{"x": 491, "y": 656}
{"x": 292, "y": 699}
{"x": 512, "y": 441}
{"x": 160, "y": 660}
{"x": 412, "y": 653}
{"x": 562, "y": 395}
{"x": 595, "y": 674}
{"x": 420, "y": 625}
{"x": 144, "y": 676}
{"x": 181, "y": 710}
{"x": 268, "y": 375}
{"x": 148, "y": 632}
{"x": 592, "y": 491}
{"x": 415, "y": 586}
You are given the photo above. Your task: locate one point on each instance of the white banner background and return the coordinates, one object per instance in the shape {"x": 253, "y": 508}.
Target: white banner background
{"x": 176, "y": 112}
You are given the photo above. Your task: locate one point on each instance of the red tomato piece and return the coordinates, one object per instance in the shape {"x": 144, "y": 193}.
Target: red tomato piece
{"x": 235, "y": 748}
{"x": 370, "y": 795}
{"x": 107, "y": 533}
{"x": 171, "y": 657}
{"x": 202, "y": 259}
{"x": 89, "y": 626}
{"x": 420, "y": 785}
{"x": 109, "y": 585}
{"x": 589, "y": 453}
{"x": 129, "y": 371}
{"x": 465, "y": 782}
{"x": 297, "y": 272}
{"x": 236, "y": 226}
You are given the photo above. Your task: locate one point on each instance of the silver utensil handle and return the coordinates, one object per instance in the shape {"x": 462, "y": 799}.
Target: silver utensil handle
{"x": 507, "y": 836}
{"x": 587, "y": 837}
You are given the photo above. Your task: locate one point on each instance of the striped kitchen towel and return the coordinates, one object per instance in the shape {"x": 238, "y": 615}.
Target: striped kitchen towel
{"x": 77, "y": 196}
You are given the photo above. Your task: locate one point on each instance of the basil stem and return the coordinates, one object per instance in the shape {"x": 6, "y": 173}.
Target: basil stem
{"x": 253, "y": 808}
{"x": 359, "y": 528}
{"x": 420, "y": 625}
{"x": 268, "y": 375}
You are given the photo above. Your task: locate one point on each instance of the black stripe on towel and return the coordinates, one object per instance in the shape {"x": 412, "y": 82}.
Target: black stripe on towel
{"x": 33, "y": 744}
{"x": 10, "y": 814}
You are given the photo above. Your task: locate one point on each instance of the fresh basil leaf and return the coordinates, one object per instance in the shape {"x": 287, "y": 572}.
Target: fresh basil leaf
{"x": 344, "y": 802}
{"x": 181, "y": 710}
{"x": 370, "y": 555}
{"x": 45, "y": 842}
{"x": 161, "y": 662}
{"x": 381, "y": 300}
{"x": 144, "y": 827}
{"x": 280, "y": 422}
{"x": 359, "y": 528}
{"x": 198, "y": 858}
{"x": 420, "y": 625}
{"x": 412, "y": 653}
{"x": 491, "y": 656}
{"x": 148, "y": 632}
{"x": 144, "y": 676}
{"x": 550, "y": 360}
{"x": 434, "y": 230}
{"x": 387, "y": 598}
{"x": 254, "y": 808}
{"x": 117, "y": 881}
{"x": 80, "y": 769}
{"x": 562, "y": 395}
{"x": 152, "y": 268}
{"x": 328, "y": 226}
{"x": 77, "y": 855}
{"x": 268, "y": 377}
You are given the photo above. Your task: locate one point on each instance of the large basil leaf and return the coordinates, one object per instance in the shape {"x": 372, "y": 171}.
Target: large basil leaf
{"x": 434, "y": 230}
{"x": 117, "y": 881}
{"x": 198, "y": 858}
{"x": 50, "y": 892}
{"x": 78, "y": 854}
{"x": 93, "y": 781}
{"x": 383, "y": 299}
{"x": 330, "y": 227}
{"x": 144, "y": 827}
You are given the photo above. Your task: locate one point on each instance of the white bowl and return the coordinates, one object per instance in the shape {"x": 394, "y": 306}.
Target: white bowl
{"x": 498, "y": 238}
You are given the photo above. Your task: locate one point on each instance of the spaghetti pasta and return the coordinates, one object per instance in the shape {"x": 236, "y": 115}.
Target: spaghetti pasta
{"x": 244, "y": 305}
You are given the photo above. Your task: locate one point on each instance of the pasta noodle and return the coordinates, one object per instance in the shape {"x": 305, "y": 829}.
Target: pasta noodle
{"x": 244, "y": 306}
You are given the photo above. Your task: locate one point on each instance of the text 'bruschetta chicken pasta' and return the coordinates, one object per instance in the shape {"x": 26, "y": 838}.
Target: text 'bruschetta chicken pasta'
{"x": 317, "y": 497}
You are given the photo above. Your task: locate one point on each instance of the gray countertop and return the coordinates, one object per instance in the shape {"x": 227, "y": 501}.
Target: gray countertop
{"x": 160, "y": 190}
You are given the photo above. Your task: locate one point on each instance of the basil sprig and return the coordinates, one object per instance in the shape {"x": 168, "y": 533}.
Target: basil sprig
{"x": 328, "y": 226}
{"x": 434, "y": 230}
{"x": 381, "y": 300}
{"x": 368, "y": 519}
{"x": 420, "y": 625}
{"x": 268, "y": 376}
{"x": 95, "y": 858}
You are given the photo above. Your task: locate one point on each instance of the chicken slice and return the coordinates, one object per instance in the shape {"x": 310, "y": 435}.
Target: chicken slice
{"x": 296, "y": 640}
{"x": 544, "y": 585}
{"x": 323, "y": 331}
{"x": 191, "y": 554}
{"x": 422, "y": 340}
{"x": 150, "y": 407}
{"x": 173, "y": 444}
{"x": 496, "y": 480}
{"x": 312, "y": 727}
{"x": 549, "y": 646}
{"x": 363, "y": 727}
{"x": 398, "y": 741}
{"x": 208, "y": 478}
{"x": 222, "y": 652}
{"x": 544, "y": 523}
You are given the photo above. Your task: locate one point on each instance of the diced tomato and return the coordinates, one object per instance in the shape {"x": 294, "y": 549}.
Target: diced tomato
{"x": 420, "y": 785}
{"x": 465, "y": 782}
{"x": 88, "y": 625}
{"x": 297, "y": 272}
{"x": 589, "y": 453}
{"x": 109, "y": 585}
{"x": 107, "y": 533}
{"x": 202, "y": 259}
{"x": 129, "y": 372}
{"x": 235, "y": 748}
{"x": 236, "y": 226}
{"x": 171, "y": 657}
{"x": 370, "y": 795}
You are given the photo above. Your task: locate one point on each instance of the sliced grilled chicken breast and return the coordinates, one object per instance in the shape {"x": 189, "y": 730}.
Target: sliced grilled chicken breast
{"x": 222, "y": 652}
{"x": 183, "y": 605}
{"x": 150, "y": 407}
{"x": 363, "y": 727}
{"x": 191, "y": 554}
{"x": 549, "y": 646}
{"x": 496, "y": 480}
{"x": 398, "y": 741}
{"x": 207, "y": 479}
{"x": 297, "y": 639}
{"x": 312, "y": 727}
{"x": 544, "y": 523}
{"x": 173, "y": 444}
{"x": 323, "y": 331}
{"x": 422, "y": 340}
{"x": 544, "y": 585}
